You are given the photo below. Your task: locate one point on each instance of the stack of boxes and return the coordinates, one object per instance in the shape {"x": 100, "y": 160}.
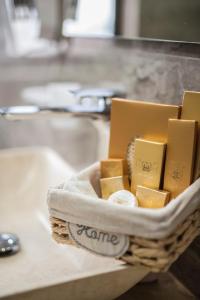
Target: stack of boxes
{"x": 166, "y": 156}
{"x": 114, "y": 176}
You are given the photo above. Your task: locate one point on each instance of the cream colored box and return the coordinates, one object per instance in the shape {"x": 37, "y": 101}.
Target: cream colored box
{"x": 131, "y": 119}
{"x": 147, "y": 164}
{"x": 191, "y": 111}
{"x": 151, "y": 198}
{"x": 180, "y": 156}
{"x": 113, "y": 167}
{"x": 113, "y": 184}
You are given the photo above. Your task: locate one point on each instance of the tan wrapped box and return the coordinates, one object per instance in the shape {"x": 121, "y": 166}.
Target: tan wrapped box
{"x": 180, "y": 155}
{"x": 113, "y": 184}
{"x": 191, "y": 111}
{"x": 147, "y": 164}
{"x": 113, "y": 168}
{"x": 150, "y": 198}
{"x": 130, "y": 119}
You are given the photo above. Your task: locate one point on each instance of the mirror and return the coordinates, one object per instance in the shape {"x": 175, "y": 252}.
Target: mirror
{"x": 159, "y": 19}
{"x": 156, "y": 19}
{"x": 176, "y": 20}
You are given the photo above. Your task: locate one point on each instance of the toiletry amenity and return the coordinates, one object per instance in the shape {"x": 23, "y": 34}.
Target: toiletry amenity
{"x": 151, "y": 198}
{"x": 113, "y": 184}
{"x": 130, "y": 119}
{"x": 123, "y": 197}
{"x": 180, "y": 155}
{"x": 147, "y": 164}
{"x": 129, "y": 157}
{"x": 113, "y": 168}
{"x": 191, "y": 111}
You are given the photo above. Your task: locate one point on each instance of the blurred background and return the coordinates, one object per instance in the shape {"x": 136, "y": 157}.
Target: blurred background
{"x": 51, "y": 51}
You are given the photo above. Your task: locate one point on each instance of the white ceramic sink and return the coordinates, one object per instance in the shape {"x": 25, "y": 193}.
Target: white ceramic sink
{"x": 44, "y": 269}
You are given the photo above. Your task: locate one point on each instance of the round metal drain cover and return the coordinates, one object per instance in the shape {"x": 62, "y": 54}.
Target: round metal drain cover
{"x": 9, "y": 244}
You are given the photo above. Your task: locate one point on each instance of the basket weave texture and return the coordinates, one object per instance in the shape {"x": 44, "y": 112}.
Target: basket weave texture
{"x": 156, "y": 254}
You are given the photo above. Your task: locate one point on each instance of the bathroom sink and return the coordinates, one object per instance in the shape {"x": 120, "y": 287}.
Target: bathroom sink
{"x": 43, "y": 269}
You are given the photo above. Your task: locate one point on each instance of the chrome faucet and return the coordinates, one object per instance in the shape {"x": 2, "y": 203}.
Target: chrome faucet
{"x": 15, "y": 113}
{"x": 93, "y": 104}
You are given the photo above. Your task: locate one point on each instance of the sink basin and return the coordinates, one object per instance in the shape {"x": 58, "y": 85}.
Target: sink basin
{"x": 43, "y": 269}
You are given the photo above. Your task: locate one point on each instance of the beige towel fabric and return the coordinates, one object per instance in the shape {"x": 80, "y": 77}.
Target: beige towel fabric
{"x": 75, "y": 201}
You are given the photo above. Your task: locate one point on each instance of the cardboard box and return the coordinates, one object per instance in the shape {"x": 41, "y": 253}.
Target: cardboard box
{"x": 113, "y": 168}
{"x": 113, "y": 184}
{"x": 191, "y": 111}
{"x": 147, "y": 164}
{"x": 180, "y": 155}
{"x": 151, "y": 198}
{"x": 131, "y": 119}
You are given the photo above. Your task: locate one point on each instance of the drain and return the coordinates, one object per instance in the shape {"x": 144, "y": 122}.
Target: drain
{"x": 9, "y": 244}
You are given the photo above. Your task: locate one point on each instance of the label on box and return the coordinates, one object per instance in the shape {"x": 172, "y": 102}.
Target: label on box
{"x": 98, "y": 241}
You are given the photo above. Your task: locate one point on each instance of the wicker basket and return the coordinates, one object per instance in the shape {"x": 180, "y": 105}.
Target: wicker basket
{"x": 157, "y": 252}
{"x": 157, "y": 255}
